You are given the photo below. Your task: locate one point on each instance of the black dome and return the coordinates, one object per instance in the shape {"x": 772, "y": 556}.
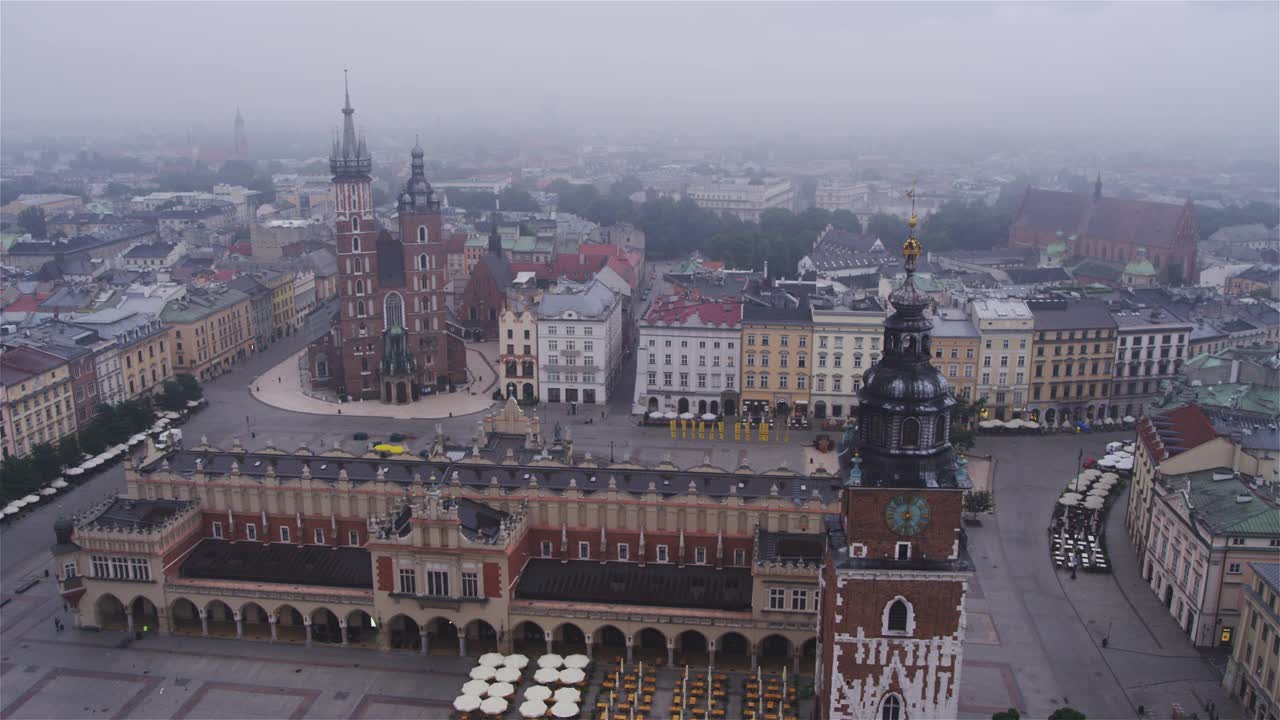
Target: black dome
{"x": 909, "y": 387}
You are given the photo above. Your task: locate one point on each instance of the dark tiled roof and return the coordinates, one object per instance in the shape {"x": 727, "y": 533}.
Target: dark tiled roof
{"x": 1063, "y": 315}
{"x": 789, "y": 547}
{"x": 1052, "y": 211}
{"x": 1269, "y": 572}
{"x": 283, "y": 563}
{"x": 130, "y": 514}
{"x": 150, "y": 250}
{"x": 1032, "y": 276}
{"x": 625, "y": 583}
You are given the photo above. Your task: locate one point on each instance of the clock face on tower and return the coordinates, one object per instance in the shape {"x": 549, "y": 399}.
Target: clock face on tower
{"x": 907, "y": 514}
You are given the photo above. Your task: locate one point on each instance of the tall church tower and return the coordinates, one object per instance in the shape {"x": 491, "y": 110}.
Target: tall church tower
{"x": 425, "y": 261}
{"x": 240, "y": 151}
{"x": 357, "y": 234}
{"x": 891, "y": 626}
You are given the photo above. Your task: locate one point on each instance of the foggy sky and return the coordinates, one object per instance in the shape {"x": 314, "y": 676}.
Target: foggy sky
{"x": 1084, "y": 70}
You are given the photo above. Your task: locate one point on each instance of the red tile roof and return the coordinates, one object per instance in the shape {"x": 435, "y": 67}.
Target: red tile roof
{"x": 577, "y": 266}
{"x": 25, "y": 303}
{"x": 1176, "y": 431}
{"x": 679, "y": 309}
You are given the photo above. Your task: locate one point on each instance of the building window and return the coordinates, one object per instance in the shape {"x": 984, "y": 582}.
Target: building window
{"x": 353, "y": 538}
{"x": 584, "y": 551}
{"x": 217, "y": 529}
{"x": 408, "y": 581}
{"x": 69, "y": 571}
{"x": 1233, "y": 568}
{"x": 139, "y": 569}
{"x": 898, "y": 618}
{"x": 284, "y": 533}
{"x": 700, "y": 556}
{"x": 891, "y": 708}
{"x": 251, "y": 531}
{"x": 101, "y": 566}
{"x": 319, "y": 536}
{"x": 910, "y": 432}
{"x": 739, "y": 557}
{"x": 777, "y": 599}
{"x": 546, "y": 548}
{"x": 470, "y": 584}
{"x": 663, "y": 555}
{"x": 800, "y": 600}
{"x": 438, "y": 583}
{"x": 624, "y": 552}
{"x": 903, "y": 551}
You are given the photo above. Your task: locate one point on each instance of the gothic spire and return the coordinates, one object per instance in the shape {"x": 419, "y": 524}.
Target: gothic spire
{"x": 350, "y": 144}
{"x": 495, "y": 237}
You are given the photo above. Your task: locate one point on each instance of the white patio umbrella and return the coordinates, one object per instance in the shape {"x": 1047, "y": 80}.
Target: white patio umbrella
{"x": 577, "y": 661}
{"x": 984, "y": 424}
{"x": 568, "y": 694}
{"x": 1078, "y": 485}
{"x": 19, "y": 503}
{"x": 59, "y": 484}
{"x": 550, "y": 660}
{"x": 572, "y": 676}
{"x": 507, "y": 675}
{"x": 537, "y": 692}
{"x": 686, "y": 416}
{"x": 1114, "y": 446}
{"x": 1068, "y": 501}
{"x": 1073, "y": 495}
{"x": 1091, "y": 473}
{"x": 997, "y": 423}
{"x": 48, "y": 491}
{"x": 517, "y": 661}
{"x": 73, "y": 471}
{"x": 708, "y": 416}
{"x": 29, "y": 499}
{"x": 1094, "y": 503}
{"x": 13, "y": 507}
{"x": 492, "y": 659}
{"x": 1099, "y": 491}
{"x": 1128, "y": 418}
{"x": 1014, "y": 423}
{"x": 479, "y": 688}
{"x": 656, "y": 415}
{"x": 1130, "y": 448}
{"x": 493, "y": 706}
{"x": 1109, "y": 477}
{"x": 1031, "y": 424}
{"x": 10, "y": 511}
{"x": 193, "y": 403}
{"x": 466, "y": 703}
{"x": 564, "y": 709}
{"x": 670, "y": 415}
{"x": 547, "y": 675}
{"x": 482, "y": 672}
{"x": 533, "y": 709}
{"x": 501, "y": 689}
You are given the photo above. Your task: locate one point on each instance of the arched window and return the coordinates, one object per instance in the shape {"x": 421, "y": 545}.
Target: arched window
{"x": 891, "y": 707}
{"x": 422, "y": 259}
{"x": 422, "y": 233}
{"x": 360, "y": 309}
{"x": 355, "y": 244}
{"x": 355, "y": 225}
{"x": 940, "y": 430}
{"x": 910, "y": 433}
{"x": 359, "y": 287}
{"x": 393, "y": 311}
{"x": 899, "y": 618}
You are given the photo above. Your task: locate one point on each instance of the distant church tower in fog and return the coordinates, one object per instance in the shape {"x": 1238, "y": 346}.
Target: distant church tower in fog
{"x": 241, "y": 148}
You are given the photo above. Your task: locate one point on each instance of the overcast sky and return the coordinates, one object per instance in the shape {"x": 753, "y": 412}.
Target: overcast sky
{"x": 1087, "y": 70}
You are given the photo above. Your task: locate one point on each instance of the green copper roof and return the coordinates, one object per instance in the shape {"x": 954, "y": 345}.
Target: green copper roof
{"x": 1056, "y": 248}
{"x": 1214, "y": 498}
{"x": 1140, "y": 267}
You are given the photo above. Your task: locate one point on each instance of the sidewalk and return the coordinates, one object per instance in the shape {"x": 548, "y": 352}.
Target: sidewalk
{"x": 281, "y": 387}
{"x": 1148, "y": 653}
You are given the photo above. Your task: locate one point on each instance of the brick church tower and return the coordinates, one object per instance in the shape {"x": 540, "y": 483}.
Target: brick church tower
{"x": 391, "y": 338}
{"x": 892, "y": 620}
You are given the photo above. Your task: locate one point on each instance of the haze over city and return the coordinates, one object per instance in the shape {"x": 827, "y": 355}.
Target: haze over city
{"x": 1105, "y": 73}
{"x": 611, "y": 361}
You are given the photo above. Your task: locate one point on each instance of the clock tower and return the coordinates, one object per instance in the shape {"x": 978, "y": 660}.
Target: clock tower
{"x": 892, "y": 620}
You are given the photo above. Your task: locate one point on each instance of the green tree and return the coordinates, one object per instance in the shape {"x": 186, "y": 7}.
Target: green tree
{"x": 32, "y": 220}
{"x": 965, "y": 226}
{"x": 517, "y": 200}
{"x": 45, "y": 461}
{"x": 1067, "y": 713}
{"x": 1010, "y": 714}
{"x": 68, "y": 451}
{"x": 847, "y": 221}
{"x": 977, "y": 502}
{"x": 891, "y": 229}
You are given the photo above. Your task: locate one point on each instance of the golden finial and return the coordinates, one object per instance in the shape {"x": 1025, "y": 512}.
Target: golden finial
{"x": 911, "y": 248}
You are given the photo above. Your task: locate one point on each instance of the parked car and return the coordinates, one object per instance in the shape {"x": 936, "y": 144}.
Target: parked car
{"x": 396, "y": 437}
{"x": 360, "y": 436}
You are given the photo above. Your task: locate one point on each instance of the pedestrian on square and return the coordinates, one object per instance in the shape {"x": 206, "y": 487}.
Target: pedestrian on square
{"x": 1073, "y": 566}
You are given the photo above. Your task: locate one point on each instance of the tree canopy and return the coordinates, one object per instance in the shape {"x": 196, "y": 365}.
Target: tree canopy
{"x": 32, "y": 220}
{"x": 966, "y": 226}
{"x": 1211, "y": 220}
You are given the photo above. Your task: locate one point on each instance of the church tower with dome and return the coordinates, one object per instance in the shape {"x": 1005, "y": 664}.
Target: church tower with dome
{"x": 891, "y": 624}
{"x": 391, "y": 342}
